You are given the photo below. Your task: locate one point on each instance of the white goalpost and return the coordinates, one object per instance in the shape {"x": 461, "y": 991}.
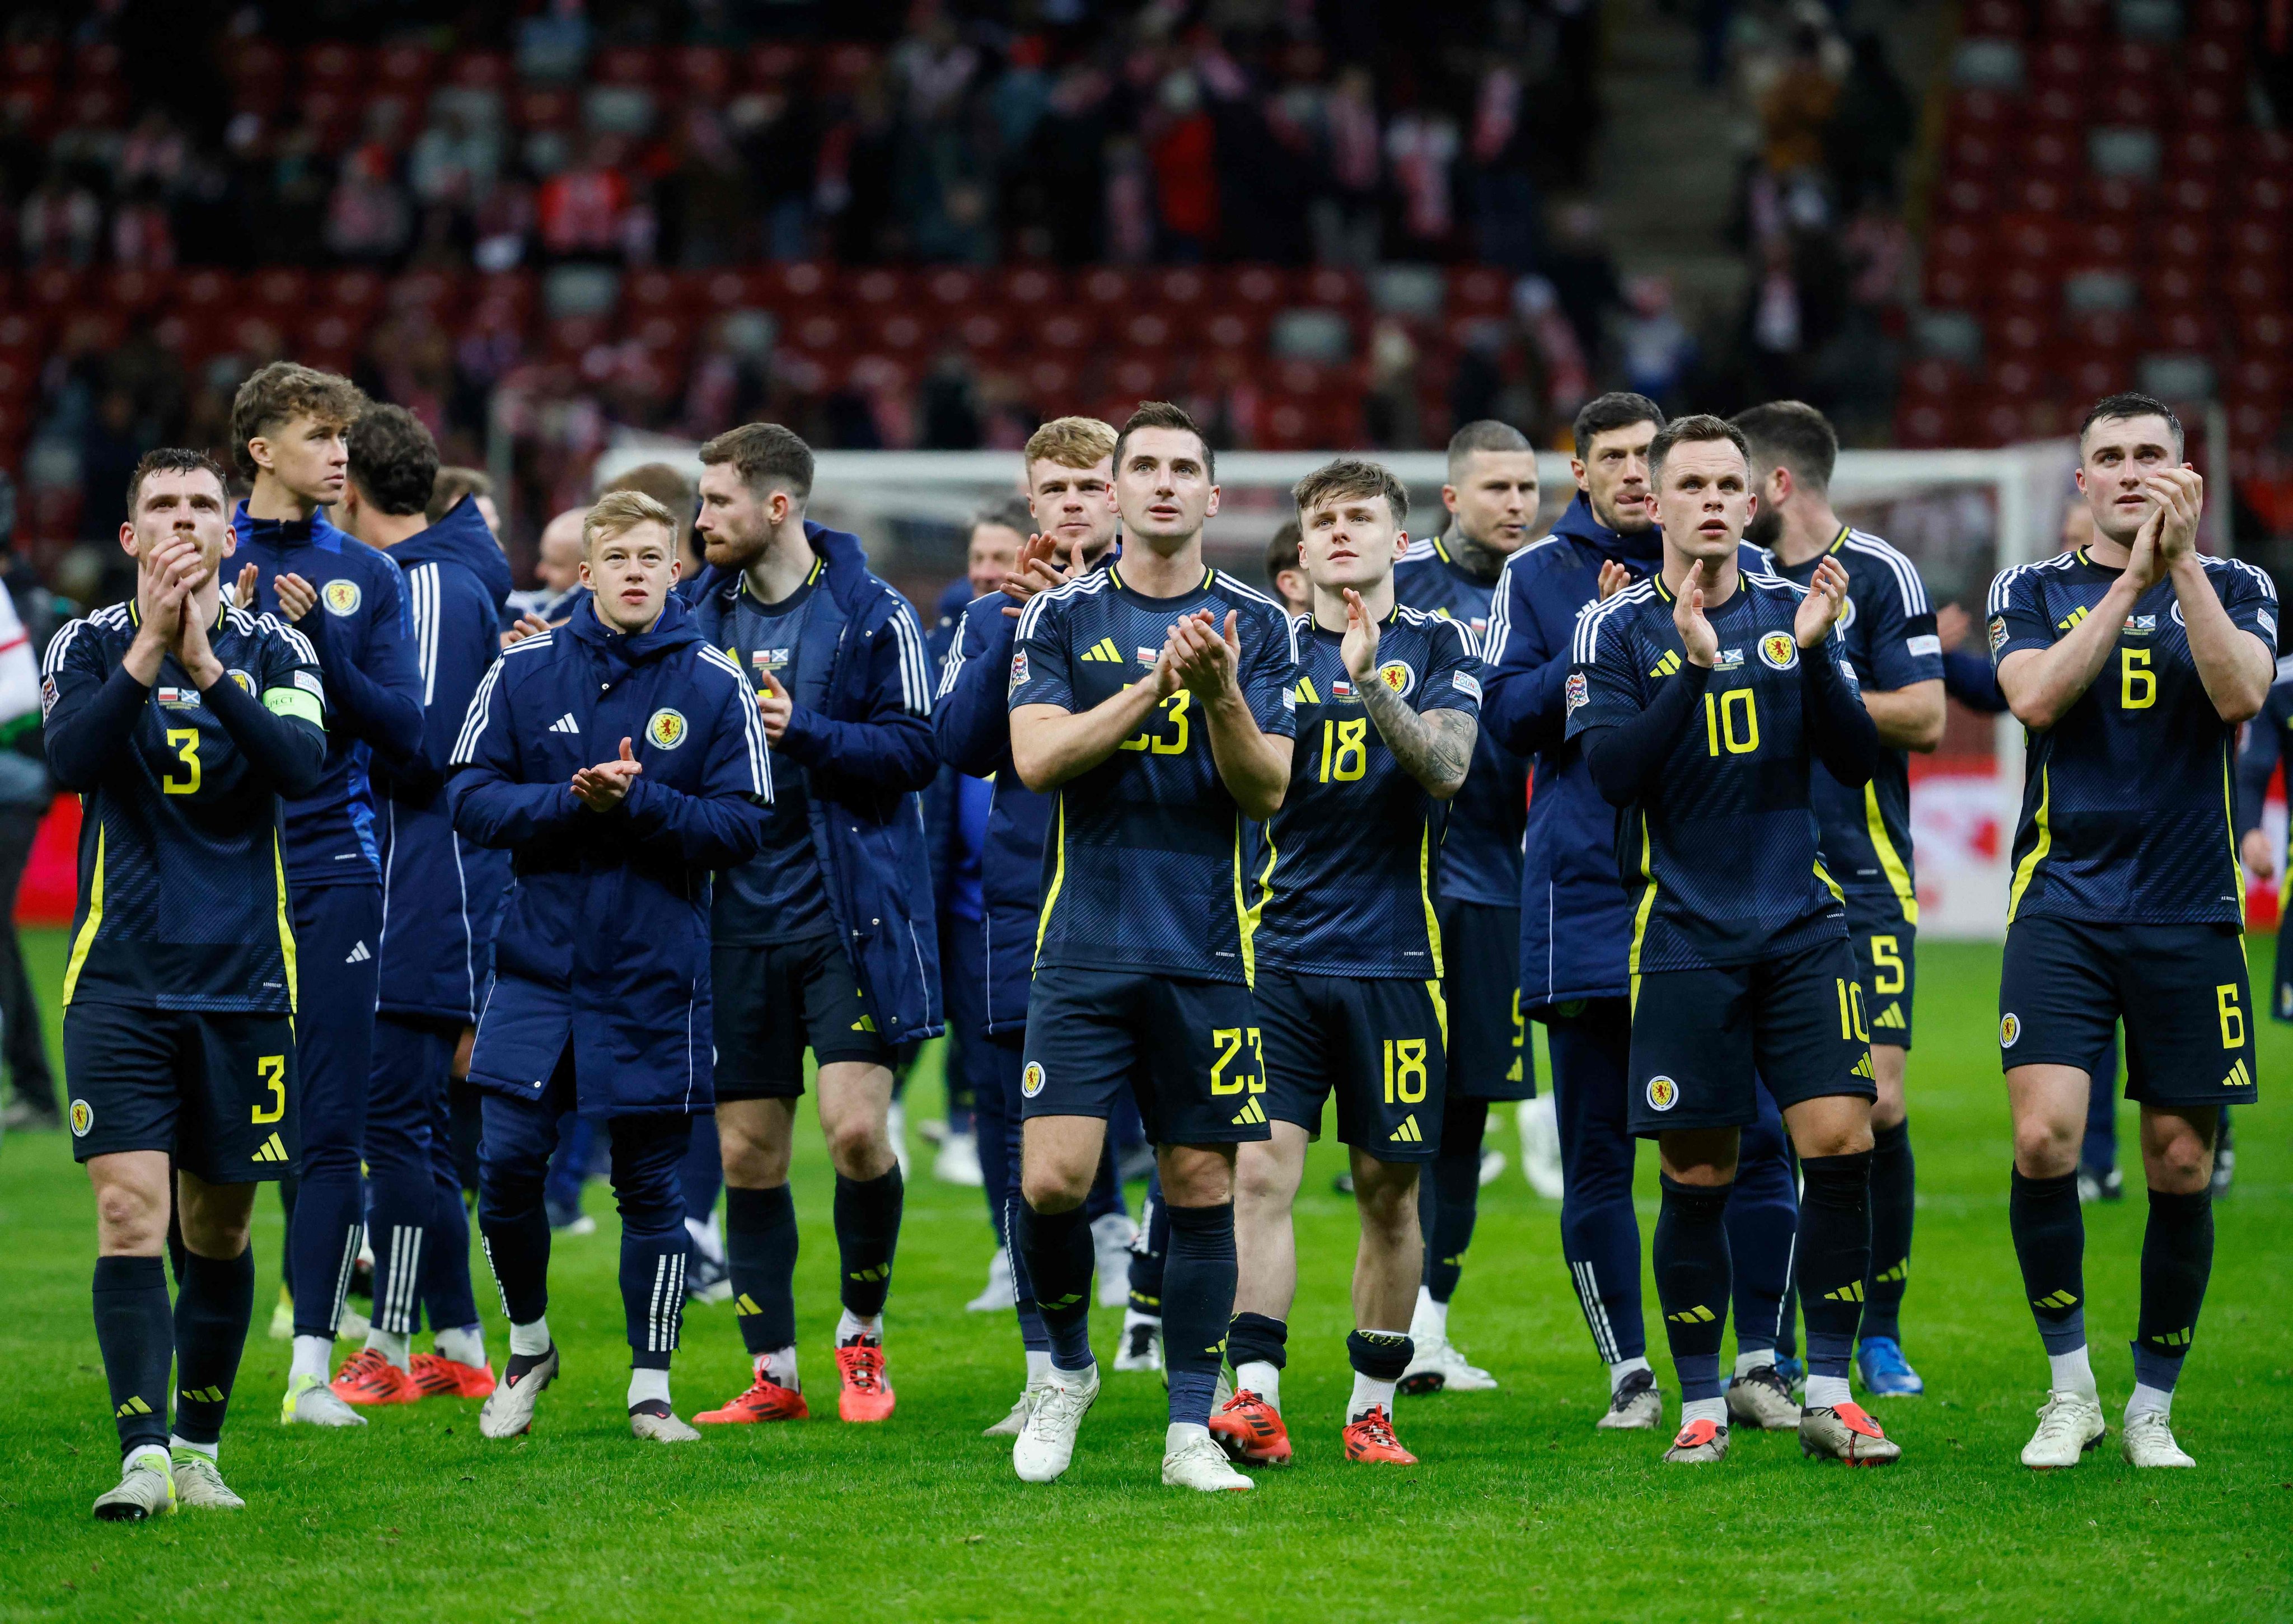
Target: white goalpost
{"x": 1962, "y": 516}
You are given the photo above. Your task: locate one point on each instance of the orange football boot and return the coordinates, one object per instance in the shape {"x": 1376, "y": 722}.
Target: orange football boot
{"x": 1369, "y": 1437}
{"x": 370, "y": 1379}
{"x": 764, "y": 1401}
{"x": 441, "y": 1378}
{"x": 1249, "y": 1430}
{"x": 867, "y": 1394}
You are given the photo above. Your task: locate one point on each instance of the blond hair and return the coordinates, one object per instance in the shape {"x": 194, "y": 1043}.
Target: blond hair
{"x": 617, "y": 511}
{"x": 1071, "y": 442}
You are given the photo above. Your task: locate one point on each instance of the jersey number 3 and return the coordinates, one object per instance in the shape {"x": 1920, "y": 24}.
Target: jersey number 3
{"x": 185, "y": 743}
{"x": 272, "y": 1068}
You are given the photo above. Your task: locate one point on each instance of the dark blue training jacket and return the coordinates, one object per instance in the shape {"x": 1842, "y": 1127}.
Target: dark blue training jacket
{"x": 1576, "y": 928}
{"x": 365, "y": 644}
{"x": 862, "y": 735}
{"x": 603, "y": 940}
{"x": 440, "y": 891}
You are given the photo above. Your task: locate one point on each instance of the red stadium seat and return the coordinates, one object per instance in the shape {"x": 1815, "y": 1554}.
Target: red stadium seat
{"x": 2254, "y": 239}
{"x": 1146, "y": 329}
{"x": 2254, "y": 284}
{"x": 431, "y": 289}
{"x": 2170, "y": 284}
{"x": 1236, "y": 332}
{"x": 819, "y": 332}
{"x": 638, "y": 65}
{"x": 2116, "y": 196}
{"x": 2059, "y": 107}
{"x": 2108, "y": 332}
{"x": 1975, "y": 153}
{"x": 652, "y": 290}
{"x": 877, "y": 288}
{"x": 2267, "y": 196}
{"x": 2183, "y": 239}
{"x": 2062, "y": 58}
{"x": 1479, "y": 289}
{"x": 1137, "y": 374}
{"x": 480, "y": 69}
{"x": 2088, "y": 374}
{"x": 900, "y": 332}
{"x": 2020, "y": 331}
{"x": 729, "y": 290}
{"x": 204, "y": 295}
{"x": 2034, "y": 239}
{"x": 2132, "y": 101}
{"x": 1067, "y": 331}
{"x": 406, "y": 67}
{"x": 1993, "y": 111}
{"x": 2059, "y": 149}
{"x": 797, "y": 282}
{"x": 1966, "y": 197}
{"x": 2268, "y": 332}
{"x": 1329, "y": 285}
{"x": 543, "y": 107}
{"x": 1182, "y": 287}
{"x": 1996, "y": 19}
{"x": 2107, "y": 242}
{"x": 331, "y": 332}
{"x": 32, "y": 59}
{"x": 2221, "y": 20}
{"x": 1051, "y": 380}
{"x": 572, "y": 337}
{"x": 845, "y": 66}
{"x": 1954, "y": 286}
{"x": 281, "y": 291}
{"x": 769, "y": 66}
{"x": 1107, "y": 288}
{"x": 2255, "y": 378}
{"x": 135, "y": 290}
{"x": 2212, "y": 103}
{"x": 1028, "y": 290}
{"x": 950, "y": 287}
{"x": 982, "y": 332}
{"x": 2196, "y": 152}
{"x": 55, "y": 287}
{"x": 20, "y": 376}
{"x": 2039, "y": 194}
{"x": 2193, "y": 193}
{"x": 2136, "y": 60}
{"x": 703, "y": 72}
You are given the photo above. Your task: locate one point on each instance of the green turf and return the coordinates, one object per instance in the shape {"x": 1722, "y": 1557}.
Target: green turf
{"x": 1520, "y": 1510}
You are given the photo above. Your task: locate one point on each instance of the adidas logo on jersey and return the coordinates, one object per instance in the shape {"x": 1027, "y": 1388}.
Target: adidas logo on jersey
{"x": 1250, "y": 1113}
{"x": 1665, "y": 666}
{"x": 1892, "y": 1015}
{"x": 1699, "y": 1315}
{"x": 1104, "y": 653}
{"x": 2072, "y": 619}
{"x": 271, "y": 1150}
{"x": 1863, "y": 1065}
{"x": 358, "y": 955}
{"x": 1852, "y": 1292}
{"x": 1408, "y": 1134}
{"x": 2240, "y": 1075}
{"x": 1306, "y": 695}
{"x": 565, "y": 724}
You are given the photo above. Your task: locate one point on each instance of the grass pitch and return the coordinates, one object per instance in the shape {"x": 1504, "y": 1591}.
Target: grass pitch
{"x": 1520, "y": 1510}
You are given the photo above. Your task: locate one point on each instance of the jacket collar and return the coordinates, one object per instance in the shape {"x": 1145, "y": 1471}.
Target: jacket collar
{"x": 1644, "y": 551}
{"x": 844, "y": 569}
{"x": 459, "y": 536}
{"x": 317, "y": 530}
{"x": 674, "y": 630}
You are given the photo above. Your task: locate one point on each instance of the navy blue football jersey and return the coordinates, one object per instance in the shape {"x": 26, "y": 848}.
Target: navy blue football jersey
{"x": 1721, "y": 863}
{"x": 1481, "y": 848}
{"x": 1147, "y": 862}
{"x": 1887, "y": 628}
{"x": 183, "y": 876}
{"x": 1348, "y": 885}
{"x": 2127, "y": 814}
{"x": 780, "y": 895}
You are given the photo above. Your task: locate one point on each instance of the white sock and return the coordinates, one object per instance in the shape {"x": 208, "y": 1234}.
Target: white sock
{"x": 1369, "y": 1393}
{"x": 1748, "y": 1359}
{"x": 396, "y": 1346}
{"x": 464, "y": 1344}
{"x": 849, "y": 1325}
{"x": 706, "y": 1237}
{"x": 1131, "y": 1316}
{"x": 1826, "y": 1392}
{"x": 176, "y": 1441}
{"x": 1259, "y": 1378}
{"x": 529, "y": 1341}
{"x": 1714, "y": 1410}
{"x": 1622, "y": 1369}
{"x": 311, "y": 1354}
{"x": 1179, "y": 1435}
{"x": 2149, "y": 1400}
{"x": 779, "y": 1368}
{"x": 1431, "y": 1319}
{"x": 157, "y": 1455}
{"x": 647, "y": 1385}
{"x": 2071, "y": 1372}
{"x": 1039, "y": 1366}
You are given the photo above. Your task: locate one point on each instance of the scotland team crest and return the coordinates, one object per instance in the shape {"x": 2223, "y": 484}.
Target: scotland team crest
{"x": 1396, "y": 675}
{"x": 667, "y": 728}
{"x": 1779, "y": 650}
{"x": 1030, "y": 1081}
{"x": 340, "y": 595}
{"x": 82, "y": 1118}
{"x": 1663, "y": 1093}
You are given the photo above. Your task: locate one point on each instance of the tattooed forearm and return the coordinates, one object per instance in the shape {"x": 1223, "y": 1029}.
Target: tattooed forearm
{"x": 1434, "y": 747}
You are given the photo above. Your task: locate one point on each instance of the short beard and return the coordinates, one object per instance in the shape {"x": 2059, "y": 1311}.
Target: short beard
{"x": 1766, "y": 528}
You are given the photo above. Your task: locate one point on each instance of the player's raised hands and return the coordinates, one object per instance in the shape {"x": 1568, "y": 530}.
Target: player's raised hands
{"x": 776, "y": 704}
{"x": 1696, "y": 634}
{"x": 528, "y": 625}
{"x": 2260, "y": 853}
{"x": 2180, "y": 498}
{"x": 1206, "y": 660}
{"x": 1819, "y": 611}
{"x": 1039, "y": 570}
{"x": 604, "y": 786}
{"x": 295, "y": 597}
{"x": 1613, "y": 578}
{"x": 1359, "y": 648}
{"x": 243, "y": 589}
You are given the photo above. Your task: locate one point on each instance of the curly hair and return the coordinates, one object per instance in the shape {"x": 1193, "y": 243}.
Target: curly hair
{"x": 281, "y": 392}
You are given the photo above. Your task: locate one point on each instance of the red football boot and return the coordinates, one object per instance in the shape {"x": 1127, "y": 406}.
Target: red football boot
{"x": 764, "y": 1401}
{"x": 370, "y": 1379}
{"x": 1369, "y": 1437}
{"x": 867, "y": 1394}
{"x": 439, "y": 1378}
{"x": 1249, "y": 1430}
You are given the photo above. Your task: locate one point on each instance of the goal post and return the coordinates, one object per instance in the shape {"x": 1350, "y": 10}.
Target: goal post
{"x": 1961, "y": 515}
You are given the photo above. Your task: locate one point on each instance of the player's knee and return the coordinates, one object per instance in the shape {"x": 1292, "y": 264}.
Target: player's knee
{"x": 128, "y": 1218}
{"x": 1055, "y": 1189}
{"x": 1835, "y": 1139}
{"x": 2044, "y": 1148}
{"x": 858, "y": 1146}
{"x": 2178, "y": 1164}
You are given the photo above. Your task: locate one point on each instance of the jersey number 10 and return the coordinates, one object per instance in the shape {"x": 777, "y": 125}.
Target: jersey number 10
{"x": 1727, "y": 722}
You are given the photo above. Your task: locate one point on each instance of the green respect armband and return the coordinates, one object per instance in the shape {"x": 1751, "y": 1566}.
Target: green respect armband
{"x": 294, "y": 703}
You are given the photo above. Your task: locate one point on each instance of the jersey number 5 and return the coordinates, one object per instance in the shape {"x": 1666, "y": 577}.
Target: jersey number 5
{"x": 185, "y": 743}
{"x": 273, "y": 1070}
{"x": 1174, "y": 709}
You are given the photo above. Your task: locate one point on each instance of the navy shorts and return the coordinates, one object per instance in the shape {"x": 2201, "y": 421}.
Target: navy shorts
{"x": 1190, "y": 1050}
{"x": 1886, "y": 947}
{"x": 1489, "y": 1055}
{"x": 1704, "y": 1040}
{"x": 2182, "y": 991}
{"x": 1378, "y": 1045}
{"x": 772, "y": 1004}
{"x": 221, "y": 1092}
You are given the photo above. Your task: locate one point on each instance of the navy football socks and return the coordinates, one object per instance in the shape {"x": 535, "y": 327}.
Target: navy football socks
{"x": 1152, "y": 1254}
{"x": 1448, "y": 1199}
{"x": 1892, "y": 1183}
{"x": 2177, "y": 1259}
{"x": 2050, "y": 1244}
{"x": 1057, "y": 1249}
{"x": 212, "y": 1312}
{"x": 867, "y": 1234}
{"x": 760, "y": 1242}
{"x": 1835, "y": 1256}
{"x": 1197, "y": 1304}
{"x": 136, "y": 1333}
{"x": 1692, "y": 1270}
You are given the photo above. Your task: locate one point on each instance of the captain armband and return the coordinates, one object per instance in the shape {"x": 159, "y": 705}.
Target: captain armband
{"x": 295, "y": 702}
